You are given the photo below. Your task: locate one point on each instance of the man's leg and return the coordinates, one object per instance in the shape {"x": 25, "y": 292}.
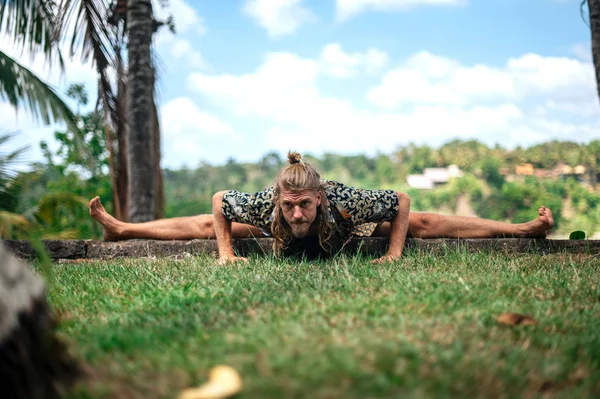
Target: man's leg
{"x": 431, "y": 225}
{"x": 180, "y": 228}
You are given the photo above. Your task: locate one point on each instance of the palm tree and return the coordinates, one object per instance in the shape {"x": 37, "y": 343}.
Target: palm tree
{"x": 140, "y": 103}
{"x": 40, "y": 26}
{"x": 30, "y": 25}
{"x": 594, "y": 17}
{"x": 102, "y": 32}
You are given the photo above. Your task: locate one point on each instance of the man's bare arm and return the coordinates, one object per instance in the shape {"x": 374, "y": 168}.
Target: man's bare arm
{"x": 398, "y": 230}
{"x": 223, "y": 231}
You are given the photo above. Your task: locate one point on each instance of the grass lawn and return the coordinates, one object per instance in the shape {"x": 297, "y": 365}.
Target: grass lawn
{"x": 422, "y": 327}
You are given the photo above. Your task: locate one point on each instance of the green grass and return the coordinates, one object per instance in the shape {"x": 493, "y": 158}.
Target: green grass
{"x": 422, "y": 327}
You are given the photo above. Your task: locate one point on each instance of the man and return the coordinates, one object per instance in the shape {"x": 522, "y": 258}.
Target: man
{"x": 302, "y": 207}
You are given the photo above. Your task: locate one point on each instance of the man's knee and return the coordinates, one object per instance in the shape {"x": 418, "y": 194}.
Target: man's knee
{"x": 421, "y": 222}
{"x": 205, "y": 225}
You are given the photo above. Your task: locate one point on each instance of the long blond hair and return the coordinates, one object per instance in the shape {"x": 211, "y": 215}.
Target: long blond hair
{"x": 299, "y": 175}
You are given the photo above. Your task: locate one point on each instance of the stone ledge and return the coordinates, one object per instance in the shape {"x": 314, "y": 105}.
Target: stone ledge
{"x": 91, "y": 249}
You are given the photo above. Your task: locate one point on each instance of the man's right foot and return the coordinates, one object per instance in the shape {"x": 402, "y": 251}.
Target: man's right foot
{"x": 539, "y": 227}
{"x": 110, "y": 225}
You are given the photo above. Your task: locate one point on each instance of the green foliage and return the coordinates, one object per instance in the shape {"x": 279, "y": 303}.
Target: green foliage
{"x": 51, "y": 200}
{"x": 490, "y": 171}
{"x": 489, "y": 193}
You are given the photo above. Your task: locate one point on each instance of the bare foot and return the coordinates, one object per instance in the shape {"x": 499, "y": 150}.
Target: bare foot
{"x": 110, "y": 225}
{"x": 540, "y": 226}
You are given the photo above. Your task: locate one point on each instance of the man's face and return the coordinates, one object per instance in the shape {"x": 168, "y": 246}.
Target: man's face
{"x": 300, "y": 210}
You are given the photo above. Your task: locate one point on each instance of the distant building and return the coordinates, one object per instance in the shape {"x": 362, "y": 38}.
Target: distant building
{"x": 419, "y": 182}
{"x": 525, "y": 169}
{"x": 560, "y": 171}
{"x": 433, "y": 177}
{"x": 565, "y": 171}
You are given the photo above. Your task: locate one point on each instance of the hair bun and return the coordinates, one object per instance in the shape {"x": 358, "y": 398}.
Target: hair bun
{"x": 294, "y": 157}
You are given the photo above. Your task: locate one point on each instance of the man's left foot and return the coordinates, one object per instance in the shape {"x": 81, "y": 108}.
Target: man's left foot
{"x": 110, "y": 225}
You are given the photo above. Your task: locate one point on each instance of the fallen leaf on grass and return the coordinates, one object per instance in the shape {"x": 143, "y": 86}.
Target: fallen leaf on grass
{"x": 515, "y": 319}
{"x": 223, "y": 382}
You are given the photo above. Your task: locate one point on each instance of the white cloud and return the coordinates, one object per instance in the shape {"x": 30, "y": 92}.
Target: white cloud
{"x": 181, "y": 116}
{"x": 336, "y": 62}
{"x": 278, "y": 17}
{"x": 185, "y": 16}
{"x": 429, "y": 79}
{"x": 281, "y": 83}
{"x": 182, "y": 50}
{"x": 582, "y": 51}
{"x": 189, "y": 133}
{"x": 188, "y": 25}
{"x": 348, "y": 8}
{"x": 427, "y": 99}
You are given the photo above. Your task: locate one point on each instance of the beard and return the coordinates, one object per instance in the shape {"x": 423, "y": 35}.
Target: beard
{"x": 299, "y": 230}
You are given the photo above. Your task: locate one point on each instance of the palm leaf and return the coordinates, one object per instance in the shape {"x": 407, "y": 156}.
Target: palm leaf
{"x": 49, "y": 205}
{"x": 6, "y": 160}
{"x": 10, "y": 188}
{"x": 22, "y": 88}
{"x": 31, "y": 25}
{"x": 69, "y": 234}
{"x": 93, "y": 37}
{"x": 8, "y": 220}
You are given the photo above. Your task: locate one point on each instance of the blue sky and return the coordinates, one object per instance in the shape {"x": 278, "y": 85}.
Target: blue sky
{"x": 241, "y": 78}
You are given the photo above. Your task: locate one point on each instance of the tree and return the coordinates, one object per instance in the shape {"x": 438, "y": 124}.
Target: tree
{"x": 140, "y": 151}
{"x": 30, "y": 24}
{"x": 464, "y": 154}
{"x": 100, "y": 34}
{"x": 594, "y": 19}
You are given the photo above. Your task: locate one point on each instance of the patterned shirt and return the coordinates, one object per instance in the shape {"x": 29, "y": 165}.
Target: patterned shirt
{"x": 352, "y": 211}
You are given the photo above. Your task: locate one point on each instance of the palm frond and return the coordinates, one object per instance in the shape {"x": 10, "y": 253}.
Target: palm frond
{"x": 93, "y": 38}
{"x": 10, "y": 191}
{"x": 49, "y": 205}
{"x": 69, "y": 234}
{"x": 31, "y": 25}
{"x": 10, "y": 188}
{"x": 22, "y": 88}
{"x": 10, "y": 158}
{"x": 9, "y": 220}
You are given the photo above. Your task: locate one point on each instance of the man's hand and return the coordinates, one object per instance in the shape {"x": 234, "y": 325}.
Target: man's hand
{"x": 387, "y": 259}
{"x": 222, "y": 230}
{"x": 223, "y": 260}
{"x": 399, "y": 228}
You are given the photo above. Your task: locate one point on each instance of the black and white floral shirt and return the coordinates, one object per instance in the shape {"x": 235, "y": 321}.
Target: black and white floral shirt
{"x": 352, "y": 211}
